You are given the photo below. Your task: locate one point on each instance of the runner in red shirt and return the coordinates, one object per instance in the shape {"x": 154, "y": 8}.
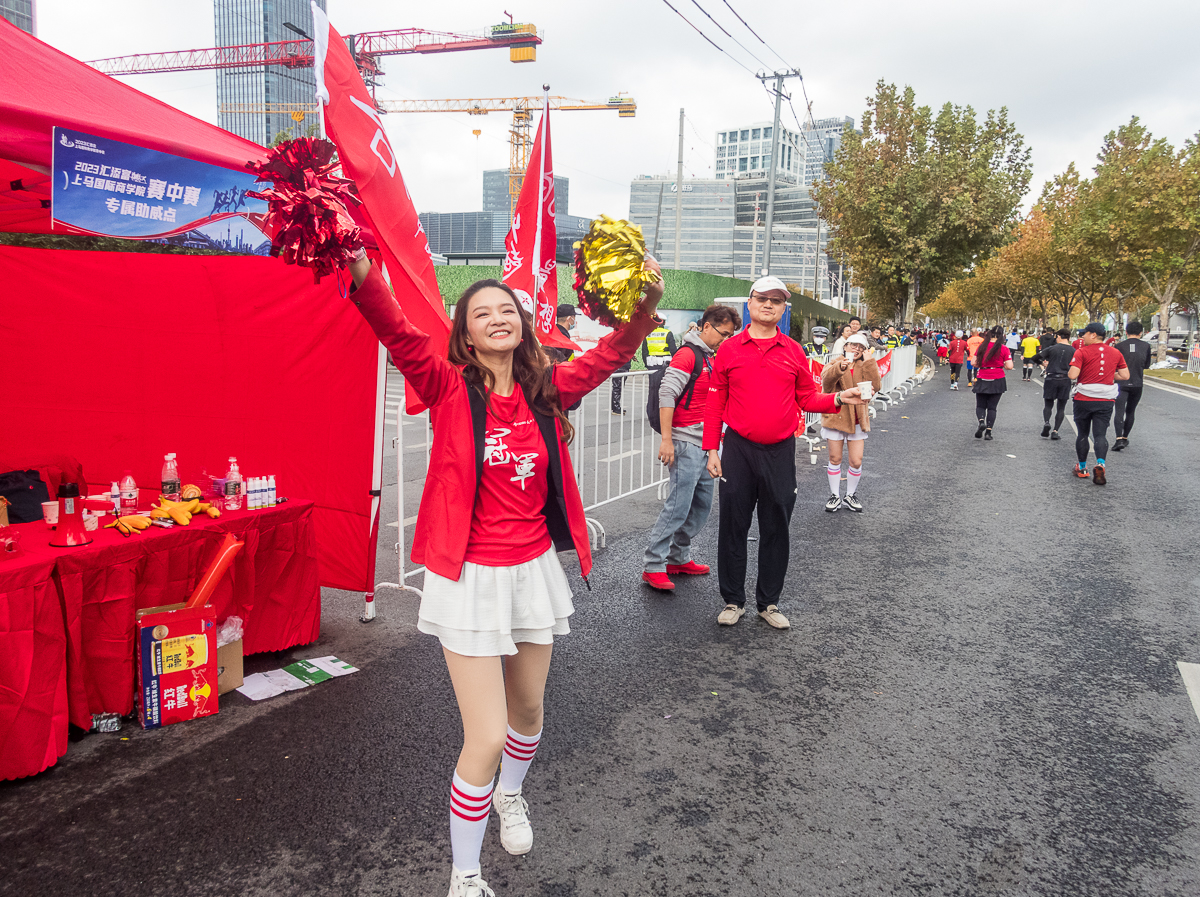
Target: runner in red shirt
{"x": 1095, "y": 367}
{"x": 761, "y": 383}
{"x": 957, "y": 352}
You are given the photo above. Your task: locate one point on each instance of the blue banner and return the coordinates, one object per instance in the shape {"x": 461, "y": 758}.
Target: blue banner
{"x": 115, "y": 189}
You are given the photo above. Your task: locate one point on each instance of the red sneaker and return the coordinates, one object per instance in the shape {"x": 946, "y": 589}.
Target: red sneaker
{"x": 691, "y": 568}
{"x": 658, "y": 581}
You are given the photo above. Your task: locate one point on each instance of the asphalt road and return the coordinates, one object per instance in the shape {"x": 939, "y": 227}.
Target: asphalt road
{"x": 979, "y": 696}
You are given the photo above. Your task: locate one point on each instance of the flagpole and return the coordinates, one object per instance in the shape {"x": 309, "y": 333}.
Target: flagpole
{"x": 537, "y": 233}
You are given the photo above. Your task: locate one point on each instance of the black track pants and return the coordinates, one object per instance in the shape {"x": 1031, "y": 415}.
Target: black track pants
{"x": 1127, "y": 402}
{"x": 1093, "y": 416}
{"x": 761, "y": 477}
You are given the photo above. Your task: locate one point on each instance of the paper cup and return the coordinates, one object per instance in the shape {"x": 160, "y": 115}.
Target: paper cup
{"x": 865, "y": 388}
{"x": 50, "y": 512}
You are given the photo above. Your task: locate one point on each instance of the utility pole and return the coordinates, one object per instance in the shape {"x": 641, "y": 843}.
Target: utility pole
{"x": 754, "y": 240}
{"x": 658, "y": 220}
{"x": 679, "y": 193}
{"x": 779, "y": 77}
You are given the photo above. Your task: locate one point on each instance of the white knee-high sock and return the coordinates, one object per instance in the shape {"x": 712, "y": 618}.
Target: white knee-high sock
{"x": 518, "y": 754}
{"x": 835, "y": 479}
{"x": 469, "y": 808}
{"x": 852, "y": 475}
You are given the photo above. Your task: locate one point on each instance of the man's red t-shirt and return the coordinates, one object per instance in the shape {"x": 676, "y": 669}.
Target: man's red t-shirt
{"x": 685, "y": 360}
{"x": 507, "y": 525}
{"x": 958, "y": 349}
{"x": 1098, "y": 365}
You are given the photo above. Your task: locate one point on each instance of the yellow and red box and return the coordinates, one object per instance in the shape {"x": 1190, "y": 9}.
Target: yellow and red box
{"x": 177, "y": 664}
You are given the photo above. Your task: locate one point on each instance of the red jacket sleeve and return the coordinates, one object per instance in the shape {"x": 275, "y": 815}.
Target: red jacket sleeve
{"x": 714, "y": 408}
{"x": 576, "y": 378}
{"x": 432, "y": 376}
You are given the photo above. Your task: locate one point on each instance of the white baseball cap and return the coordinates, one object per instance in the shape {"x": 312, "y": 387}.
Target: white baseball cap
{"x": 860, "y": 340}
{"x": 765, "y": 285}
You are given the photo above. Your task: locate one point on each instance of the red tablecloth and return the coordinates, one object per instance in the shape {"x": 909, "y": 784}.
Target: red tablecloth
{"x": 33, "y": 667}
{"x": 273, "y": 585}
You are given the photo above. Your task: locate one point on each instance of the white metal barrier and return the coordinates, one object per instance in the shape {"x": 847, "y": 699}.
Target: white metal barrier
{"x": 614, "y": 455}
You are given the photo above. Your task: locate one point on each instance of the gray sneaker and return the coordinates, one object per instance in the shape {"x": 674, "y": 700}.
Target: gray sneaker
{"x": 775, "y": 618}
{"x": 730, "y": 615}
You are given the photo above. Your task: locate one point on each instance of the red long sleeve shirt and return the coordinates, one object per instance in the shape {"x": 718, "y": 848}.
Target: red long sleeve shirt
{"x": 759, "y": 387}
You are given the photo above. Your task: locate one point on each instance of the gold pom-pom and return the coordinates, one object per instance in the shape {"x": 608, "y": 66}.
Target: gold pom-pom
{"x": 610, "y": 275}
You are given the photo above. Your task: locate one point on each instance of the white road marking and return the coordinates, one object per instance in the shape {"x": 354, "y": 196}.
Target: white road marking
{"x": 1187, "y": 394}
{"x": 408, "y": 522}
{"x": 1191, "y": 681}
{"x": 627, "y": 454}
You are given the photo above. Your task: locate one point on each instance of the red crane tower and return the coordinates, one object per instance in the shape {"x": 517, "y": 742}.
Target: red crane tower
{"x": 366, "y": 48}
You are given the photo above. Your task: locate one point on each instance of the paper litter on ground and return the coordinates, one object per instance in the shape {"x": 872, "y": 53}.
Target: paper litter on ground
{"x": 294, "y": 676}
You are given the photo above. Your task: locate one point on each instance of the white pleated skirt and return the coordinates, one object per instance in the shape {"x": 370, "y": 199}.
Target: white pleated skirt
{"x": 492, "y": 609}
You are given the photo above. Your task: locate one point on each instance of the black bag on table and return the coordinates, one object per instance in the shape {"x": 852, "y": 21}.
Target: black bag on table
{"x": 25, "y": 492}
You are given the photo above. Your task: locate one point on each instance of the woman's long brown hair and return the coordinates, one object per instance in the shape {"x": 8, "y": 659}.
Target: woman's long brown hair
{"x": 531, "y": 367}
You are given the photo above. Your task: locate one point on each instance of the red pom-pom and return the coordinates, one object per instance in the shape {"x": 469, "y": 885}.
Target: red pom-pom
{"x": 306, "y": 206}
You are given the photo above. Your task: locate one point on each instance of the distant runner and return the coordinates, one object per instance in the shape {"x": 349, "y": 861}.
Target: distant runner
{"x": 1057, "y": 389}
{"x": 1095, "y": 367}
{"x": 1138, "y": 356}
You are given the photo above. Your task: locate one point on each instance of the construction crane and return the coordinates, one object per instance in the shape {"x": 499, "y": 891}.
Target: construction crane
{"x": 366, "y": 48}
{"x": 519, "y": 137}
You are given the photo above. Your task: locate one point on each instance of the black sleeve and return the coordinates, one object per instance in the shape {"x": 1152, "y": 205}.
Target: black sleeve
{"x": 671, "y": 347}
{"x": 645, "y": 351}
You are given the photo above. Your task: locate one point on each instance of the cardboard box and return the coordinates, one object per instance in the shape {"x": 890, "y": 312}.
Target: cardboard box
{"x": 177, "y": 664}
{"x": 229, "y": 667}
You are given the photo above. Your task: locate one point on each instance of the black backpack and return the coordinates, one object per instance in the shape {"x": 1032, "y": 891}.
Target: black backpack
{"x": 25, "y": 492}
{"x": 685, "y": 397}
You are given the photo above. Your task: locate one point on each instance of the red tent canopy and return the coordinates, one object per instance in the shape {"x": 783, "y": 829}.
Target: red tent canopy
{"x": 44, "y": 87}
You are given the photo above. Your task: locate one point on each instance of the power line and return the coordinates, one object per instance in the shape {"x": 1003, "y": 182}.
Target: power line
{"x": 755, "y": 33}
{"x": 730, "y": 36}
{"x": 706, "y": 37}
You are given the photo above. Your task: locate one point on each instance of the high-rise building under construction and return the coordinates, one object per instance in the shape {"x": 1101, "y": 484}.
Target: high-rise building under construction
{"x": 240, "y": 22}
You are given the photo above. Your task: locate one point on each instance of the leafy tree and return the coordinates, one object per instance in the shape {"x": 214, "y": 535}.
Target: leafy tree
{"x": 1147, "y": 198}
{"x": 917, "y": 198}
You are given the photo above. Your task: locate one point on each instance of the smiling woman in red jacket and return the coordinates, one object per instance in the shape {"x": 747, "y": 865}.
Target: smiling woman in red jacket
{"x": 500, "y": 498}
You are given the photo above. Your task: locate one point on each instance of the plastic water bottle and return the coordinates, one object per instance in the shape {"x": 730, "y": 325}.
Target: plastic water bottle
{"x": 271, "y": 491}
{"x": 233, "y": 486}
{"x": 129, "y": 494}
{"x": 171, "y": 484}
{"x": 116, "y": 498}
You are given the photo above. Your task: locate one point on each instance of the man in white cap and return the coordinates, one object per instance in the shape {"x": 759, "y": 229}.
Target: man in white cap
{"x": 761, "y": 383}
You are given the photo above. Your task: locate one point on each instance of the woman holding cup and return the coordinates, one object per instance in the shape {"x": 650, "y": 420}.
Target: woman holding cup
{"x": 850, "y": 425}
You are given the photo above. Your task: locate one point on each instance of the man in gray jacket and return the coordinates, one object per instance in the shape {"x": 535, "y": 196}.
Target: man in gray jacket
{"x": 681, "y": 399}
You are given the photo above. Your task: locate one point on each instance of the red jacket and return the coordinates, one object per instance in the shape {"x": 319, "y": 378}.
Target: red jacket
{"x": 448, "y": 500}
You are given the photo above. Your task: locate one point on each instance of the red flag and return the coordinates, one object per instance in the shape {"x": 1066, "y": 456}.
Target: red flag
{"x": 353, "y": 124}
{"x": 885, "y": 364}
{"x": 529, "y": 266}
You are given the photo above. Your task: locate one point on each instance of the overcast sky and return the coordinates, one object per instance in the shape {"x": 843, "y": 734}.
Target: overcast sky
{"x": 1067, "y": 71}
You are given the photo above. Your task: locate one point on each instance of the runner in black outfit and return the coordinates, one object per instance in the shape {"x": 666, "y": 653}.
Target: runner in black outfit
{"x": 1056, "y": 360}
{"x": 1137, "y": 354}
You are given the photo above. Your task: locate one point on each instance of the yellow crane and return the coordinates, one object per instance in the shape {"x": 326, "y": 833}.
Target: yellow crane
{"x": 520, "y": 139}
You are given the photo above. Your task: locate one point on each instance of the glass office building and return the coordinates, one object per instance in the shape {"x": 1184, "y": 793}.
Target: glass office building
{"x": 746, "y": 152}
{"x": 495, "y": 192}
{"x": 822, "y": 138}
{"x": 241, "y": 22}
{"x": 706, "y": 235}
{"x": 22, "y": 13}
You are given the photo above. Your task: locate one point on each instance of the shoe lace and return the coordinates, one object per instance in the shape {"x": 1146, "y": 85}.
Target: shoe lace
{"x": 476, "y": 887}
{"x": 513, "y": 805}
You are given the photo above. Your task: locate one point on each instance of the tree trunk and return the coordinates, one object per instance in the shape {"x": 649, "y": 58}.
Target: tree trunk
{"x": 1164, "y": 320}
{"x": 910, "y": 305}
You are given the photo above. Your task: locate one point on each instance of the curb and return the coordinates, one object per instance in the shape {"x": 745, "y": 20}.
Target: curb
{"x": 1174, "y": 384}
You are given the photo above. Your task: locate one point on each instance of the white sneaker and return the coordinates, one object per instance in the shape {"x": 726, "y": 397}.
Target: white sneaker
{"x": 468, "y": 884}
{"x": 516, "y": 834}
{"x": 834, "y": 502}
